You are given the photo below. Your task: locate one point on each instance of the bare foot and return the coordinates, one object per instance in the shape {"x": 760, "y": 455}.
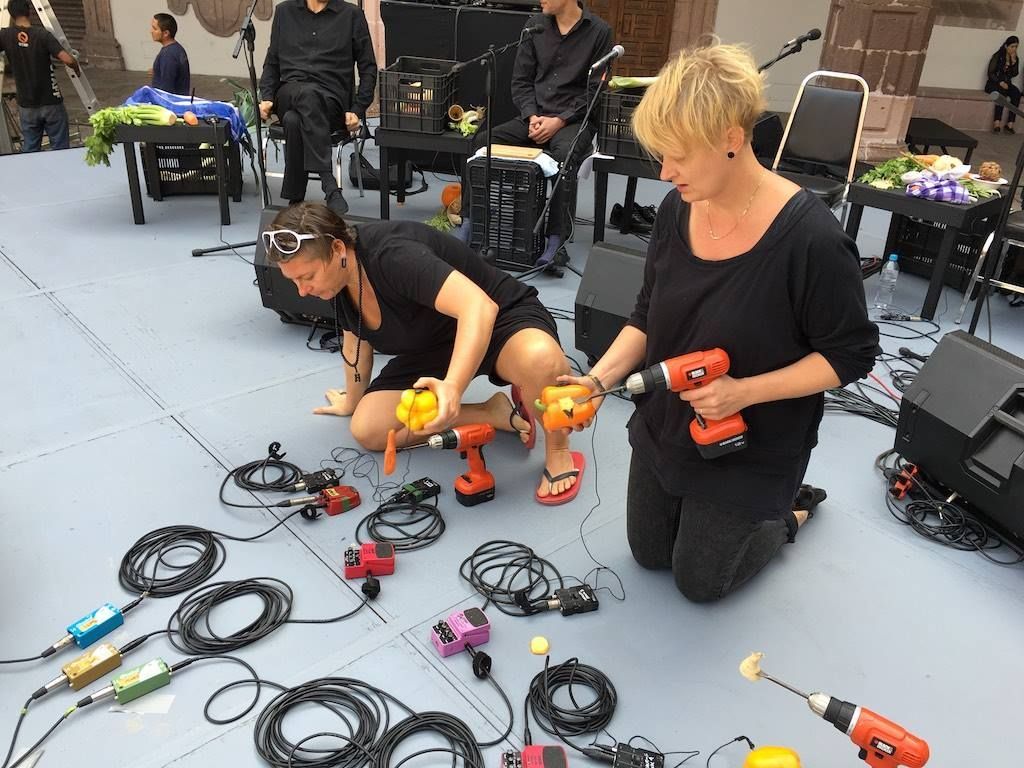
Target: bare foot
{"x": 559, "y": 461}
{"x": 501, "y": 415}
{"x": 801, "y": 516}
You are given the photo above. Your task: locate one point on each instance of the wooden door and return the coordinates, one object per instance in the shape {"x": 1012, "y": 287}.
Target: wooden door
{"x": 643, "y": 28}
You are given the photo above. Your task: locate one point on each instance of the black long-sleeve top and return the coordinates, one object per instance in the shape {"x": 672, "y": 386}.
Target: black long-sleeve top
{"x": 549, "y": 78}
{"x": 321, "y": 48}
{"x": 1000, "y": 69}
{"x": 798, "y": 291}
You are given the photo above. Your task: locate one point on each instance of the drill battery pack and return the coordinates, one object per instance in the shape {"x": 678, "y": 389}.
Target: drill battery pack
{"x": 717, "y": 438}
{"x": 371, "y": 559}
{"x": 468, "y": 627}
{"x": 535, "y": 756}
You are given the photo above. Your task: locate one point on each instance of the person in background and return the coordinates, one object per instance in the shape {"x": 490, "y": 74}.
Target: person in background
{"x": 308, "y": 82}
{"x": 170, "y": 68}
{"x": 551, "y": 89}
{"x": 743, "y": 259}
{"x": 30, "y": 51}
{"x": 1003, "y": 67}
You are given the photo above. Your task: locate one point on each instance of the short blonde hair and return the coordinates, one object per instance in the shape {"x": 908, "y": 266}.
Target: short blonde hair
{"x": 698, "y": 96}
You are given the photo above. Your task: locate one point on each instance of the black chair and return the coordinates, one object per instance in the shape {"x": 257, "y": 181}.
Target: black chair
{"x": 1013, "y": 234}
{"x": 275, "y": 133}
{"x": 822, "y": 137}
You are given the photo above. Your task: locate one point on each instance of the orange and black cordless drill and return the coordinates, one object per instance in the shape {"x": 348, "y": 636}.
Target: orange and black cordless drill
{"x": 691, "y": 371}
{"x": 477, "y": 485}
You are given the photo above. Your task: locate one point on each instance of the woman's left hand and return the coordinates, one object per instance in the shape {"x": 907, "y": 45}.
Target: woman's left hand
{"x": 720, "y": 399}
{"x": 449, "y": 402}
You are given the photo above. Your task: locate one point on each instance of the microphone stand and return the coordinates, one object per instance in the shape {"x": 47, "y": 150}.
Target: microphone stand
{"x": 489, "y": 60}
{"x": 1000, "y": 232}
{"x": 786, "y": 50}
{"x": 247, "y": 35}
{"x": 555, "y": 265}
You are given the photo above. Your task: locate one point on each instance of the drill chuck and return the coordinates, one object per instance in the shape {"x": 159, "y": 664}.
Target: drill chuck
{"x": 648, "y": 380}
{"x": 842, "y": 714}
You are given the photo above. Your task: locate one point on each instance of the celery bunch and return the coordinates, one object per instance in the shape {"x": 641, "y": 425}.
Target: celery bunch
{"x": 105, "y": 123}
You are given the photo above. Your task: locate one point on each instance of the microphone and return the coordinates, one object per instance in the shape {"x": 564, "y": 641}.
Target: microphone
{"x": 814, "y": 34}
{"x": 533, "y": 30}
{"x": 614, "y": 53}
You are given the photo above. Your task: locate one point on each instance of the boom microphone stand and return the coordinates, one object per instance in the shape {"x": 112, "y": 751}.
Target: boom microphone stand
{"x": 247, "y": 35}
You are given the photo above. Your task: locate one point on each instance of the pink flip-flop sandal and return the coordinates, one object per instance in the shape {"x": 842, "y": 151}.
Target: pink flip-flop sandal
{"x": 523, "y": 411}
{"x": 579, "y": 463}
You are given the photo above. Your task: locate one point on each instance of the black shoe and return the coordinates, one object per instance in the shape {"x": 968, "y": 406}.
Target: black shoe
{"x": 808, "y": 497}
{"x": 337, "y": 202}
{"x": 647, "y": 212}
{"x": 637, "y": 223}
{"x": 1009, "y": 128}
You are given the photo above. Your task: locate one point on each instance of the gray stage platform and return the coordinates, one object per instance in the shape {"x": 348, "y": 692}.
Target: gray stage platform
{"x": 133, "y": 375}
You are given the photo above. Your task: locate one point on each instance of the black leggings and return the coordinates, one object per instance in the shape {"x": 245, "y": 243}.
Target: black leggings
{"x": 712, "y": 549}
{"x": 1012, "y": 93}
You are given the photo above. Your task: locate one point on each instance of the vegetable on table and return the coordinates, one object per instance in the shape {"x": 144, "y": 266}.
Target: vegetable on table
{"x": 106, "y": 121}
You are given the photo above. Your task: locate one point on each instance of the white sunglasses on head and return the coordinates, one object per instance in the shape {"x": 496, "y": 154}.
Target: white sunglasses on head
{"x": 286, "y": 241}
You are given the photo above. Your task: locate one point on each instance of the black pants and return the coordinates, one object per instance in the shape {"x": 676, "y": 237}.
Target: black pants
{"x": 711, "y": 548}
{"x": 1012, "y": 93}
{"x": 563, "y": 202}
{"x": 308, "y": 113}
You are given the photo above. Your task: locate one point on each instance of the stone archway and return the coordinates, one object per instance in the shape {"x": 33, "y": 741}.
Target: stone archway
{"x": 100, "y": 47}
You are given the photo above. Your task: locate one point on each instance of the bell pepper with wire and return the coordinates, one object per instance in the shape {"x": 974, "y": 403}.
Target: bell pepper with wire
{"x": 559, "y": 408}
{"x": 417, "y": 408}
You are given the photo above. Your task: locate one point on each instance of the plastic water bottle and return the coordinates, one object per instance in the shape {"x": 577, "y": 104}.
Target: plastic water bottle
{"x": 887, "y": 283}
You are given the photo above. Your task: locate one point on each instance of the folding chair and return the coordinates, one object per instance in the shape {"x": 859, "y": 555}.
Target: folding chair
{"x": 275, "y": 133}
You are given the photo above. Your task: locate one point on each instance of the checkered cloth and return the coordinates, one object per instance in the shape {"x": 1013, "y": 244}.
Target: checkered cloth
{"x": 942, "y": 190}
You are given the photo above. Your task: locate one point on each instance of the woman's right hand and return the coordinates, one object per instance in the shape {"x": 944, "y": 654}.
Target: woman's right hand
{"x": 584, "y": 381}
{"x": 340, "y": 404}
{"x": 1003, "y": 85}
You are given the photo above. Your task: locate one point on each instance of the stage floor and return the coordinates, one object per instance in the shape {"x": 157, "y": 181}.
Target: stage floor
{"x": 135, "y": 375}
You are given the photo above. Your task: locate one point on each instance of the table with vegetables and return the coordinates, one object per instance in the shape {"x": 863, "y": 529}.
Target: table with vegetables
{"x": 937, "y": 189}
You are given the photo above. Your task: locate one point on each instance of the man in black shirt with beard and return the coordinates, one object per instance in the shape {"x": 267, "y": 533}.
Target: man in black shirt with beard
{"x": 307, "y": 80}
{"x": 551, "y": 90}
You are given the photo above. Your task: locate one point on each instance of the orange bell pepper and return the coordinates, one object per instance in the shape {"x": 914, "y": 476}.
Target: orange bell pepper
{"x": 558, "y": 407}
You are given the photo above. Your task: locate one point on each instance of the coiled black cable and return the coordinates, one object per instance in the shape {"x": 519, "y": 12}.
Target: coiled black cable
{"x": 362, "y": 708}
{"x": 189, "y": 626}
{"x": 563, "y": 722}
{"x": 140, "y": 564}
{"x": 270, "y": 474}
{"x": 407, "y": 526}
{"x": 511, "y": 576}
{"x": 461, "y": 742}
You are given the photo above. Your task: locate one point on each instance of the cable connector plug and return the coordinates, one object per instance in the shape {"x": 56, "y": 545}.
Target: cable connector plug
{"x": 599, "y": 752}
{"x": 371, "y": 587}
{"x": 573, "y": 600}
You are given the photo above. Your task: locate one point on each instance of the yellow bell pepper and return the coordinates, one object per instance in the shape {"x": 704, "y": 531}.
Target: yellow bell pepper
{"x": 417, "y": 408}
{"x": 558, "y": 407}
{"x": 772, "y": 757}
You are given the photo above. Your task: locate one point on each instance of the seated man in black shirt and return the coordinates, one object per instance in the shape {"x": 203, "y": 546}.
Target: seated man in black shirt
{"x": 551, "y": 91}
{"x": 403, "y": 288}
{"x": 30, "y": 51}
{"x": 741, "y": 259}
{"x": 307, "y": 80}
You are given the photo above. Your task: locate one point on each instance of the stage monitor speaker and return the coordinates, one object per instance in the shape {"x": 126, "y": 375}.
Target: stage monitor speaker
{"x": 606, "y": 296}
{"x": 279, "y": 293}
{"x": 962, "y": 423}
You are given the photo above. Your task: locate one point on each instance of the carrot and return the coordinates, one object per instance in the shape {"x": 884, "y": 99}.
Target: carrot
{"x": 190, "y": 118}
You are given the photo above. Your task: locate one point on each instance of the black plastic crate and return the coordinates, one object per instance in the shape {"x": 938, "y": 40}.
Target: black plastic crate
{"x": 516, "y": 202}
{"x": 188, "y": 169}
{"x": 615, "y": 124}
{"x": 415, "y": 94}
{"x": 917, "y": 244}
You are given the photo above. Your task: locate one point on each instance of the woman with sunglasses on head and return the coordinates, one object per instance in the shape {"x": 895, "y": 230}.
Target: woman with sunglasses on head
{"x": 404, "y": 289}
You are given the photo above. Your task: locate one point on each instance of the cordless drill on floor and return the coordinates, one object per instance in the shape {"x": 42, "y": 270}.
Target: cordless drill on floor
{"x": 691, "y": 371}
{"x": 477, "y": 485}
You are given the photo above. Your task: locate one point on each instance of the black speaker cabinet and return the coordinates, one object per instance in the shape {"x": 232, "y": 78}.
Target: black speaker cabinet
{"x": 962, "y": 422}
{"x": 606, "y": 296}
{"x": 279, "y": 293}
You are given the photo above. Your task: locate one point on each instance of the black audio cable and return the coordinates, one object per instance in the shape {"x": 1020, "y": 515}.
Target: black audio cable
{"x": 407, "y": 526}
{"x": 272, "y": 473}
{"x": 460, "y": 740}
{"x": 511, "y": 576}
{"x": 728, "y": 743}
{"x": 149, "y": 553}
{"x": 193, "y": 632}
{"x": 563, "y": 722}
